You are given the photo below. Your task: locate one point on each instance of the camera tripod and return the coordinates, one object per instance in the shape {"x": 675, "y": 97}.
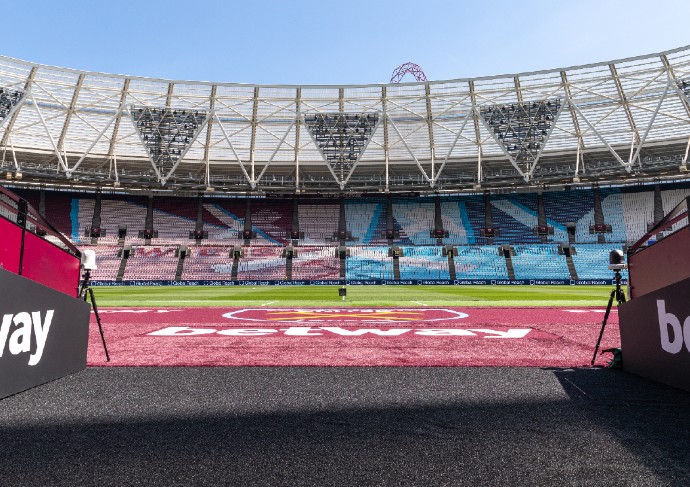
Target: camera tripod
{"x": 87, "y": 291}
{"x": 619, "y": 295}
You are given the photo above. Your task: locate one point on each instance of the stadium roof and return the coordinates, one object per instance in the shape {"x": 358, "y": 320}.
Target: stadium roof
{"x": 610, "y": 122}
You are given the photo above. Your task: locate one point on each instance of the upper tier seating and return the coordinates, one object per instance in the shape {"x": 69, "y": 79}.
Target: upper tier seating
{"x": 515, "y": 220}
{"x": 474, "y": 208}
{"x": 416, "y": 220}
{"x": 174, "y": 218}
{"x": 456, "y": 223}
{"x": 573, "y": 206}
{"x": 612, "y": 207}
{"x": 638, "y": 212}
{"x": 318, "y": 222}
{"x": 366, "y": 221}
{"x": 226, "y": 222}
{"x": 130, "y": 212}
{"x": 272, "y": 219}
{"x": 670, "y": 200}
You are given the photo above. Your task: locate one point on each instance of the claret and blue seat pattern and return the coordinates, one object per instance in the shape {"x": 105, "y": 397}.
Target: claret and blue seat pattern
{"x": 515, "y": 216}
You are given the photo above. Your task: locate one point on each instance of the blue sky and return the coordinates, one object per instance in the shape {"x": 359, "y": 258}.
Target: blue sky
{"x": 337, "y": 42}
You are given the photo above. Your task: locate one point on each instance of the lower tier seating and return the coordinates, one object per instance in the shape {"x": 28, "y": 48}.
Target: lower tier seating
{"x": 538, "y": 261}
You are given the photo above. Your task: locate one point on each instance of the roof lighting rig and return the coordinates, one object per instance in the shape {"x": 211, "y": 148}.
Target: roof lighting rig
{"x": 167, "y": 134}
{"x": 522, "y": 128}
{"x": 8, "y": 100}
{"x": 341, "y": 137}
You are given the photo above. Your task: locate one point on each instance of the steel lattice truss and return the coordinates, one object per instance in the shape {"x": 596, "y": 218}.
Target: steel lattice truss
{"x": 411, "y": 68}
{"x": 616, "y": 121}
{"x": 341, "y": 138}
{"x": 523, "y": 129}
{"x": 167, "y": 134}
{"x": 8, "y": 100}
{"x": 684, "y": 85}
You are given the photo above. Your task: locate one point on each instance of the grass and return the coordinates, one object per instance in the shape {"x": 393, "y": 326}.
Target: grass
{"x": 357, "y": 296}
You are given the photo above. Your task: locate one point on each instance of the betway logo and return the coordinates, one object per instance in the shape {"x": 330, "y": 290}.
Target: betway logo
{"x": 669, "y": 322}
{"x": 337, "y": 331}
{"x": 15, "y": 333}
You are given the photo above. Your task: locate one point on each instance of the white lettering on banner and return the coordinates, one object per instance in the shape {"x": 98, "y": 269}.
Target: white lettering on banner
{"x": 247, "y": 332}
{"x": 675, "y": 344}
{"x": 511, "y": 333}
{"x": 439, "y": 332}
{"x": 19, "y": 341}
{"x": 363, "y": 331}
{"x": 302, "y": 331}
{"x": 41, "y": 332}
{"x": 183, "y": 331}
{"x": 136, "y": 311}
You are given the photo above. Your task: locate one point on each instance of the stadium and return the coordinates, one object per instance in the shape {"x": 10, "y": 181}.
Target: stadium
{"x": 380, "y": 284}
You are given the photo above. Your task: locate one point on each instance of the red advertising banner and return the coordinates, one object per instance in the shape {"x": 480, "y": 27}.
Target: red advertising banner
{"x": 50, "y": 265}
{"x": 25, "y": 253}
{"x": 10, "y": 245}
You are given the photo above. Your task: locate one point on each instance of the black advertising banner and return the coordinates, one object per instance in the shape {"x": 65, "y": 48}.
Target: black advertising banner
{"x": 655, "y": 335}
{"x": 43, "y": 334}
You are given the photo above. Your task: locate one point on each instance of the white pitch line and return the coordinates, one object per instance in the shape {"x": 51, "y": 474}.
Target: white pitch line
{"x": 417, "y": 302}
{"x": 266, "y": 304}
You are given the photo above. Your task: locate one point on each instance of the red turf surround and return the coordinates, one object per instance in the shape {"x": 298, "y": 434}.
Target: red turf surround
{"x": 540, "y": 337}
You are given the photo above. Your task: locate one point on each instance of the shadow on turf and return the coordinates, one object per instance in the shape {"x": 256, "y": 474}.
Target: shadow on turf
{"x": 612, "y": 429}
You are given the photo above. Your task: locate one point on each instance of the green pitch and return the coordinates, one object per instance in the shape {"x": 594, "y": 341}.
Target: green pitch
{"x": 357, "y": 296}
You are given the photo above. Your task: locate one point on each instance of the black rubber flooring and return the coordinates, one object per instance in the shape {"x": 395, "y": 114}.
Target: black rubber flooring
{"x": 345, "y": 427}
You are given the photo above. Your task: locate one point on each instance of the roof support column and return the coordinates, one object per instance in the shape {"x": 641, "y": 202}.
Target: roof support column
{"x": 477, "y": 135}
{"x": 576, "y": 124}
{"x": 252, "y": 143}
{"x": 384, "y": 103}
{"x": 430, "y": 124}
{"x": 518, "y": 89}
{"x": 626, "y": 108}
{"x": 113, "y": 138}
{"x": 169, "y": 95}
{"x": 298, "y": 125}
{"x": 207, "y": 144}
{"x": 68, "y": 117}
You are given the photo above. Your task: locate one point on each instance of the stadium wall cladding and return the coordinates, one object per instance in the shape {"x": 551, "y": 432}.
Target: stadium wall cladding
{"x": 369, "y": 282}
